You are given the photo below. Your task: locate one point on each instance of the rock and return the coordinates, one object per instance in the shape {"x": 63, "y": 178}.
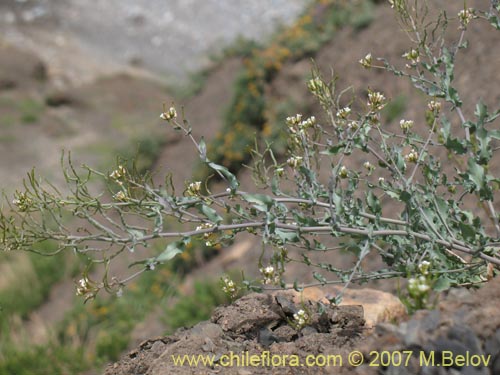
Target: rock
{"x": 378, "y": 306}
{"x": 247, "y": 315}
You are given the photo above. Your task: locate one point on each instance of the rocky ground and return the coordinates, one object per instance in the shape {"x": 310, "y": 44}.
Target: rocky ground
{"x": 465, "y": 324}
{"x": 83, "y": 40}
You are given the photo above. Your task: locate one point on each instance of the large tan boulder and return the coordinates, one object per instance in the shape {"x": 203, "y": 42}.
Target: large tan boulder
{"x": 378, "y": 306}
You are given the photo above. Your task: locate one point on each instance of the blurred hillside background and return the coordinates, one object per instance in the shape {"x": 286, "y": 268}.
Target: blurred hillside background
{"x": 91, "y": 78}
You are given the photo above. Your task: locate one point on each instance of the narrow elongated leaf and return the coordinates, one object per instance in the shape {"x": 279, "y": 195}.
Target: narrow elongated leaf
{"x": 233, "y": 182}
{"x": 210, "y": 213}
{"x": 203, "y": 149}
{"x": 171, "y": 251}
{"x": 261, "y": 202}
{"x": 287, "y": 236}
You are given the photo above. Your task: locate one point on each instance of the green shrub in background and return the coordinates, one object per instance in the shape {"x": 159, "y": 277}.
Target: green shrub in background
{"x": 38, "y": 275}
{"x": 251, "y": 112}
{"x": 196, "y": 307}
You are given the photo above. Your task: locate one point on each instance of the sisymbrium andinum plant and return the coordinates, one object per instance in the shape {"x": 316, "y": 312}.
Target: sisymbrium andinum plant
{"x": 433, "y": 222}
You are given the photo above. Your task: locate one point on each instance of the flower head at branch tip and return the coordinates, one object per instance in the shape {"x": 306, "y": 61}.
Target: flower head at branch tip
{"x": 366, "y": 61}
{"x": 22, "y": 201}
{"x": 412, "y": 156}
{"x": 316, "y": 86}
{"x": 301, "y": 318}
{"x": 169, "y": 115}
{"x": 423, "y": 267}
{"x": 307, "y": 123}
{"x": 229, "y": 287}
{"x": 434, "y": 106}
{"x": 343, "y": 172}
{"x": 343, "y": 113}
{"x": 206, "y": 235}
{"x": 353, "y": 125}
{"x": 413, "y": 56}
{"x": 193, "y": 189}
{"x": 376, "y": 100}
{"x": 295, "y": 161}
{"x": 118, "y": 173}
{"x": 406, "y": 124}
{"x": 120, "y": 196}
{"x": 369, "y": 166}
{"x": 294, "y": 120}
{"x": 465, "y": 16}
{"x": 270, "y": 276}
{"x": 85, "y": 288}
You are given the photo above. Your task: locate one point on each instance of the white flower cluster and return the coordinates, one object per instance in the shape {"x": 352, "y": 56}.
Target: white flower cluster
{"x": 229, "y": 287}
{"x": 194, "y": 188}
{"x": 316, "y": 86}
{"x": 296, "y": 121}
{"x": 208, "y": 235}
{"x": 83, "y": 287}
{"x": 366, "y": 61}
{"x": 343, "y": 172}
{"x": 413, "y": 56}
{"x": 118, "y": 174}
{"x": 369, "y": 166}
{"x": 406, "y": 124}
{"x": 120, "y": 196}
{"x": 434, "y": 106}
{"x": 376, "y": 101}
{"x": 343, "y": 113}
{"x": 301, "y": 318}
{"x": 412, "y": 156}
{"x": 418, "y": 285}
{"x": 169, "y": 115}
{"x": 423, "y": 267}
{"x": 465, "y": 16}
{"x": 295, "y": 161}
{"x": 22, "y": 201}
{"x": 269, "y": 275}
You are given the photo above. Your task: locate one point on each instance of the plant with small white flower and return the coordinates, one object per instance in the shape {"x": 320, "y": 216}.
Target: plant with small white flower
{"x": 412, "y": 156}
{"x": 86, "y": 288}
{"x": 300, "y": 319}
{"x": 434, "y": 106}
{"x": 343, "y": 113}
{"x": 308, "y": 123}
{"x": 193, "y": 189}
{"x": 119, "y": 173}
{"x": 406, "y": 125}
{"x": 343, "y": 172}
{"x": 312, "y": 210}
{"x": 419, "y": 288}
{"x": 294, "y": 120}
{"x": 316, "y": 85}
{"x": 376, "y": 101}
{"x": 353, "y": 125}
{"x": 295, "y": 161}
{"x": 168, "y": 115}
{"x": 366, "y": 61}
{"x": 120, "y": 196}
{"x": 465, "y": 16}
{"x": 270, "y": 275}
{"x": 369, "y": 167}
{"x": 22, "y": 201}
{"x": 413, "y": 56}
{"x": 229, "y": 287}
